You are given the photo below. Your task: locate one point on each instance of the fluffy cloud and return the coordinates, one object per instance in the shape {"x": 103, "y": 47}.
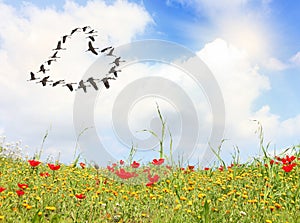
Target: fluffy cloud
{"x": 242, "y": 83}
{"x": 296, "y": 59}
{"x": 276, "y": 64}
{"x": 28, "y": 35}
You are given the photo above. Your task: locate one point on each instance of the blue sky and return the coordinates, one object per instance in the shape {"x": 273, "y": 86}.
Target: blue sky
{"x": 256, "y": 44}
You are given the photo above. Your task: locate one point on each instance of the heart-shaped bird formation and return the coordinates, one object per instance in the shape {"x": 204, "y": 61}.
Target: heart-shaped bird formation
{"x": 90, "y": 35}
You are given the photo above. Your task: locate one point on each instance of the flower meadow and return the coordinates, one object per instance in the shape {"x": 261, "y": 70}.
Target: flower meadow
{"x": 265, "y": 190}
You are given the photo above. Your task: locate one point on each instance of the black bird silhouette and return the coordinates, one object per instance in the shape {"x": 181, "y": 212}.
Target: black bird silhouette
{"x": 91, "y": 32}
{"x": 92, "y": 82}
{"x": 110, "y": 53}
{"x": 42, "y": 69}
{"x": 64, "y": 38}
{"x": 50, "y": 61}
{"x": 85, "y": 28}
{"x": 69, "y": 85}
{"x": 58, "y": 47}
{"x": 32, "y": 77}
{"x": 107, "y": 48}
{"x": 117, "y": 61}
{"x": 92, "y": 49}
{"x": 114, "y": 71}
{"x": 54, "y": 55}
{"x": 44, "y": 81}
{"x": 105, "y": 81}
{"x": 58, "y": 82}
{"x": 82, "y": 85}
{"x": 74, "y": 31}
{"x": 91, "y": 37}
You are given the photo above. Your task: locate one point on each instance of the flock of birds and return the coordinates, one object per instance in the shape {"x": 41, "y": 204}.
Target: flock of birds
{"x": 108, "y": 51}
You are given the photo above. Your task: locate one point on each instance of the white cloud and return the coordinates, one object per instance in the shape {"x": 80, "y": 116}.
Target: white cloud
{"x": 26, "y": 38}
{"x": 239, "y": 22}
{"x": 295, "y": 59}
{"x": 276, "y": 64}
{"x": 242, "y": 84}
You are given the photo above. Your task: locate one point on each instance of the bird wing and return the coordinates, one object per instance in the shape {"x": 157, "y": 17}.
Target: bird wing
{"x": 106, "y": 83}
{"x": 58, "y": 45}
{"x": 54, "y": 55}
{"x": 92, "y": 49}
{"x": 70, "y": 87}
{"x": 103, "y": 50}
{"x": 64, "y": 38}
{"x": 111, "y": 51}
{"x": 92, "y": 38}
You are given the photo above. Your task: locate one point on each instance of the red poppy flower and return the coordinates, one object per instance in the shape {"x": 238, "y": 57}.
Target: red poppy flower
{"x": 122, "y": 162}
{"x": 206, "y": 168}
{"x": 53, "y": 166}
{"x": 46, "y": 174}
{"x": 20, "y": 192}
{"x": 287, "y": 159}
{"x": 23, "y": 186}
{"x": 80, "y": 196}
{"x": 34, "y": 163}
{"x": 135, "y": 164}
{"x": 82, "y": 165}
{"x": 190, "y": 168}
{"x": 153, "y": 179}
{"x": 221, "y": 168}
{"x": 111, "y": 169}
{"x": 158, "y": 162}
{"x": 124, "y": 174}
{"x": 149, "y": 184}
{"x": 289, "y": 168}
{"x": 272, "y": 162}
{"x": 2, "y": 189}
{"x": 230, "y": 166}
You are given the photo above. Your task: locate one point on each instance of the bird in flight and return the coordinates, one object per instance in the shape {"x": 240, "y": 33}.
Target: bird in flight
{"x": 42, "y": 69}
{"x": 85, "y": 28}
{"x": 110, "y": 53}
{"x": 44, "y": 81}
{"x": 91, "y": 32}
{"x": 74, "y": 31}
{"x": 107, "y": 48}
{"x": 54, "y": 55}
{"x": 58, "y": 47}
{"x": 82, "y": 85}
{"x": 105, "y": 81}
{"x": 64, "y": 38}
{"x": 91, "y": 37}
{"x": 117, "y": 61}
{"x": 93, "y": 83}
{"x": 32, "y": 77}
{"x": 92, "y": 49}
{"x": 69, "y": 85}
{"x": 58, "y": 82}
{"x": 50, "y": 61}
{"x": 114, "y": 71}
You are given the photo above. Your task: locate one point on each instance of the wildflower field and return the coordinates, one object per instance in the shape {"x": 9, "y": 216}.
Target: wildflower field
{"x": 264, "y": 190}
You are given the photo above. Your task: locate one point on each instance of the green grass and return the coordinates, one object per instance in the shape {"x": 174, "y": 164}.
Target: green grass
{"x": 262, "y": 190}
{"x": 242, "y": 193}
